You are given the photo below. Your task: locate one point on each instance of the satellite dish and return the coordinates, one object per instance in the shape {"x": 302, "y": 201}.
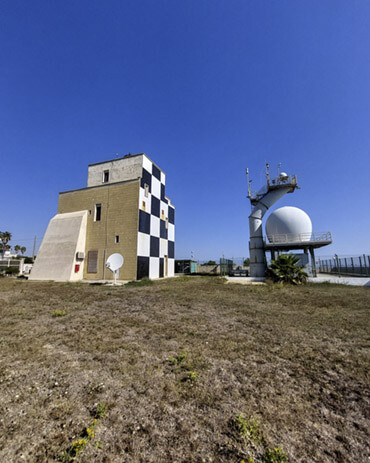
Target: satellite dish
{"x": 114, "y": 263}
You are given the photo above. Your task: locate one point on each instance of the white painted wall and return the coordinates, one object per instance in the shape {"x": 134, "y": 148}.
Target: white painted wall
{"x": 64, "y": 237}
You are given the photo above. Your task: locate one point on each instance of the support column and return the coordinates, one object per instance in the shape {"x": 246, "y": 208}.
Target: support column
{"x": 313, "y": 264}
{"x": 256, "y": 244}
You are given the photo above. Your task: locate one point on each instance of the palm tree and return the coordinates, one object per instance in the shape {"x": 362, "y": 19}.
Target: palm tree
{"x": 285, "y": 269}
{"x": 5, "y": 237}
{"x": 17, "y": 248}
{"x": 23, "y": 250}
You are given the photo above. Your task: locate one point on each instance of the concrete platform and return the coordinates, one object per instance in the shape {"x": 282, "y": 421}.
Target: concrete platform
{"x": 246, "y": 280}
{"x": 351, "y": 281}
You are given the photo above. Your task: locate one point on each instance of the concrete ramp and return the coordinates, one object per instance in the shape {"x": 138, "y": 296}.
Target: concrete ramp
{"x": 64, "y": 237}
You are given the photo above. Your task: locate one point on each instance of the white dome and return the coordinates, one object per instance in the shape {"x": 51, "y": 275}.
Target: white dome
{"x": 290, "y": 223}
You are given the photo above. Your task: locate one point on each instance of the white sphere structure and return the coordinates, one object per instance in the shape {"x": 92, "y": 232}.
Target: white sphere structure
{"x": 288, "y": 225}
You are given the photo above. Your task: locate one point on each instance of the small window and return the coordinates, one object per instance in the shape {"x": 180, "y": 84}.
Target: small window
{"x": 143, "y": 206}
{"x": 163, "y": 214}
{"x": 106, "y": 176}
{"x": 166, "y": 223}
{"x": 97, "y": 217}
{"x": 116, "y": 240}
{"x": 146, "y": 188}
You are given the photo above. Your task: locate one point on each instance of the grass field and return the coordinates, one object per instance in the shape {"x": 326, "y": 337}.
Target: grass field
{"x": 183, "y": 370}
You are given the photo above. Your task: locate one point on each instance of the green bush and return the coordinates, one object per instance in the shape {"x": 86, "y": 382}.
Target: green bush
{"x": 59, "y": 313}
{"x": 285, "y": 269}
{"x": 11, "y": 271}
{"x": 101, "y": 410}
{"x": 178, "y": 359}
{"x": 247, "y": 427}
{"x": 276, "y": 455}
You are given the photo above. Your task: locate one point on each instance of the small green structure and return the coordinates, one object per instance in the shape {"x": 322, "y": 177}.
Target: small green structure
{"x": 186, "y": 266}
{"x": 226, "y": 266}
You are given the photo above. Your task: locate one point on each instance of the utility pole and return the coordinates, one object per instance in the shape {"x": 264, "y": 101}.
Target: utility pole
{"x": 34, "y": 248}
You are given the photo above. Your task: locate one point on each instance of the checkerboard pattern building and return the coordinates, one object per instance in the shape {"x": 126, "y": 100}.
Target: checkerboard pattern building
{"x": 124, "y": 209}
{"x": 156, "y": 235}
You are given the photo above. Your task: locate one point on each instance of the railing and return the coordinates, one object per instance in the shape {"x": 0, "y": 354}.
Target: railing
{"x": 298, "y": 238}
{"x": 281, "y": 180}
{"x": 350, "y": 265}
{"x": 284, "y": 180}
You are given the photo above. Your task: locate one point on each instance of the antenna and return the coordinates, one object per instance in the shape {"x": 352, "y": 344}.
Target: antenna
{"x": 114, "y": 263}
{"x": 249, "y": 184}
{"x": 279, "y": 167}
{"x": 268, "y": 173}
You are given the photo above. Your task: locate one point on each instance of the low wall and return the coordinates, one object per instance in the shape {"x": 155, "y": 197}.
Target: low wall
{"x": 209, "y": 269}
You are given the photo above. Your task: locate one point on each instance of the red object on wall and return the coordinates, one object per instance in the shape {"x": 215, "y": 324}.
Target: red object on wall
{"x": 77, "y": 268}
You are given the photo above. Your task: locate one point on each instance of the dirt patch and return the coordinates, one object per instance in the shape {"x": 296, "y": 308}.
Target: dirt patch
{"x": 176, "y": 365}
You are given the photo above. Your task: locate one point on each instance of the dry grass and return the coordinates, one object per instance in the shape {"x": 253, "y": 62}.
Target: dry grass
{"x": 175, "y": 365}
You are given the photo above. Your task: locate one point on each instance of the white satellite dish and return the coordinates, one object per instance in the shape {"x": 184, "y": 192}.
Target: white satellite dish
{"x": 114, "y": 263}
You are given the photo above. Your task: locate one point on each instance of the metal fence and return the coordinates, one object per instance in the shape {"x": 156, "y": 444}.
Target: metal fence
{"x": 15, "y": 267}
{"x": 9, "y": 263}
{"x": 226, "y": 266}
{"x": 353, "y": 266}
{"x": 223, "y": 266}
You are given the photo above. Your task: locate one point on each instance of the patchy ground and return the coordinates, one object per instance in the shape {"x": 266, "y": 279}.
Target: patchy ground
{"x": 187, "y": 370}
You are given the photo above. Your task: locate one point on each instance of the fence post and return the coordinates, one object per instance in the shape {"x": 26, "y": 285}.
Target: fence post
{"x": 21, "y": 266}
{"x": 366, "y": 272}
{"x": 345, "y": 261}
{"x": 360, "y": 265}
{"x": 337, "y": 263}
{"x": 353, "y": 267}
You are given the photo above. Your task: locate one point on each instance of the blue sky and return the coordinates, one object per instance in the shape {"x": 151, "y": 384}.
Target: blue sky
{"x": 205, "y": 89}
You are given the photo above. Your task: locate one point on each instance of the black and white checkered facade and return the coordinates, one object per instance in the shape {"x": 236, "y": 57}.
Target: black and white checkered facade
{"x": 156, "y": 235}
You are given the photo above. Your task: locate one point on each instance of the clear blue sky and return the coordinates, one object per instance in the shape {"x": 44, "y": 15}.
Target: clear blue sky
{"x": 205, "y": 89}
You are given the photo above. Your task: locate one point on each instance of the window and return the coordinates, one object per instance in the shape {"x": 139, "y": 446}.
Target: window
{"x": 143, "y": 206}
{"x": 106, "y": 176}
{"x": 97, "y": 216}
{"x": 163, "y": 214}
{"x": 167, "y": 223}
{"x": 146, "y": 188}
{"x": 116, "y": 240}
{"x": 92, "y": 262}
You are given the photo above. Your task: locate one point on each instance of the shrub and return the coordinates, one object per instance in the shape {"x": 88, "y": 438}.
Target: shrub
{"x": 12, "y": 271}
{"x": 276, "y": 455}
{"x": 247, "y": 427}
{"x": 285, "y": 269}
{"x": 192, "y": 376}
{"x": 101, "y": 410}
{"x": 178, "y": 359}
{"x": 59, "y": 313}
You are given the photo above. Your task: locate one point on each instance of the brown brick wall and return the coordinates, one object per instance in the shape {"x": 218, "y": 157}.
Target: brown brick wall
{"x": 119, "y": 216}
